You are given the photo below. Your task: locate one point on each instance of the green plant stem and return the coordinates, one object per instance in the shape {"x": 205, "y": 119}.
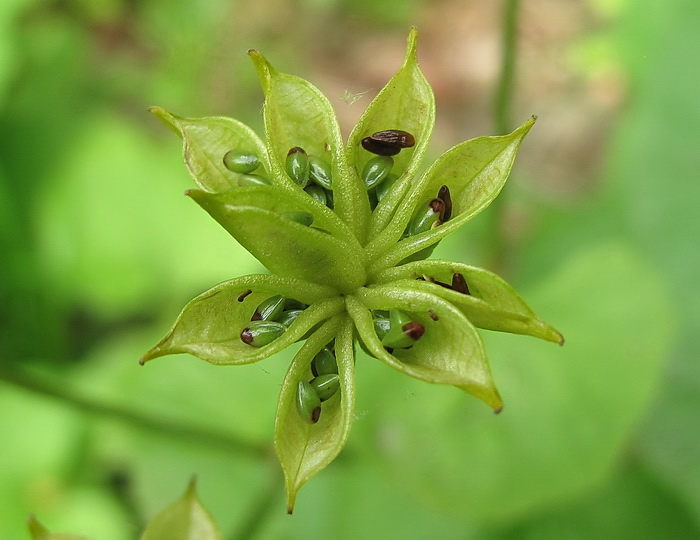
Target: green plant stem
{"x": 164, "y": 426}
{"x": 501, "y": 114}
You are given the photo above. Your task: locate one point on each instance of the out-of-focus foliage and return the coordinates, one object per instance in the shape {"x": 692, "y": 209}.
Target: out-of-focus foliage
{"x": 99, "y": 249}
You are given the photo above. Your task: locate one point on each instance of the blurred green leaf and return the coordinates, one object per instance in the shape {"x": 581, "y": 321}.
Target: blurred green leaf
{"x": 568, "y": 412}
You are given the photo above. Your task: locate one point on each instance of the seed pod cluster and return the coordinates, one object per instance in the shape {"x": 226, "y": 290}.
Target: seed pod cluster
{"x": 270, "y": 320}
{"x": 431, "y": 214}
{"x": 312, "y": 173}
{"x": 376, "y": 174}
{"x": 323, "y": 386}
{"x": 458, "y": 284}
{"x": 245, "y": 163}
{"x": 396, "y": 329}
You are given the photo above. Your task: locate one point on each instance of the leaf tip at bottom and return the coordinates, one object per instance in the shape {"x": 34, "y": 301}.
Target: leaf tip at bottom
{"x": 498, "y": 409}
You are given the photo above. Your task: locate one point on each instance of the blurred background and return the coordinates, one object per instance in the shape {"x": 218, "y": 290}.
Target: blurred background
{"x": 598, "y": 229}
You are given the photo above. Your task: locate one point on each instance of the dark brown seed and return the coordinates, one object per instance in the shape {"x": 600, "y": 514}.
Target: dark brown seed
{"x": 438, "y": 206}
{"x": 315, "y": 414}
{"x": 246, "y": 293}
{"x": 246, "y": 336}
{"x": 378, "y": 148}
{"x": 433, "y": 315}
{"x": 444, "y": 194}
{"x": 414, "y": 330}
{"x": 459, "y": 284}
{"x": 394, "y": 137}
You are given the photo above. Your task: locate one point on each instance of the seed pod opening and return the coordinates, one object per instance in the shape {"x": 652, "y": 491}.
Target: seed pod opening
{"x": 403, "y": 331}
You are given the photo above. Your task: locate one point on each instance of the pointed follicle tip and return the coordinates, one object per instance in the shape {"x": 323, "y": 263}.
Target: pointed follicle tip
{"x": 498, "y": 410}
{"x": 290, "y": 509}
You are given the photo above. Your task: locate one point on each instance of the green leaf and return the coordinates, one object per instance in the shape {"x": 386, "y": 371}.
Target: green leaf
{"x": 492, "y": 304}
{"x": 284, "y": 246}
{"x": 475, "y": 172}
{"x": 305, "y": 449}
{"x": 210, "y": 325}
{"x": 205, "y": 141}
{"x": 184, "y": 519}
{"x": 450, "y": 351}
{"x": 39, "y": 532}
{"x": 406, "y": 103}
{"x": 297, "y": 114}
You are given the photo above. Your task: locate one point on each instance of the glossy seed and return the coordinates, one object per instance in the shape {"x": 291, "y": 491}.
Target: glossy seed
{"x": 244, "y": 294}
{"x": 287, "y": 317}
{"x": 305, "y": 218}
{"x": 317, "y": 193}
{"x": 320, "y": 172}
{"x": 291, "y": 303}
{"x": 394, "y": 137}
{"x": 376, "y": 170}
{"x": 384, "y": 186}
{"x": 269, "y": 309}
{"x": 241, "y": 162}
{"x": 446, "y": 197}
{"x": 308, "y": 402}
{"x": 261, "y": 333}
{"x": 426, "y": 217}
{"x": 324, "y": 363}
{"x": 381, "y": 327}
{"x": 326, "y": 385}
{"x": 459, "y": 284}
{"x": 403, "y": 331}
{"x": 297, "y": 165}
{"x": 253, "y": 180}
{"x": 378, "y": 148}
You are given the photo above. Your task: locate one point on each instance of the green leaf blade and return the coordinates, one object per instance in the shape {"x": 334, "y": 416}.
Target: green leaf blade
{"x": 209, "y": 326}
{"x": 305, "y": 449}
{"x": 206, "y": 140}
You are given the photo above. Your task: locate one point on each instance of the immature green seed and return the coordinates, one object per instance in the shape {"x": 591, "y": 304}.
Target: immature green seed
{"x": 324, "y": 363}
{"x": 326, "y": 385}
{"x": 241, "y": 162}
{"x": 320, "y": 172}
{"x": 261, "y": 333}
{"x": 289, "y": 316}
{"x": 384, "y": 186}
{"x": 317, "y": 193}
{"x": 305, "y": 218}
{"x": 308, "y": 402}
{"x": 297, "y": 165}
{"x": 376, "y": 170}
{"x": 427, "y": 217}
{"x": 269, "y": 309}
{"x": 403, "y": 332}
{"x": 253, "y": 180}
{"x": 291, "y": 303}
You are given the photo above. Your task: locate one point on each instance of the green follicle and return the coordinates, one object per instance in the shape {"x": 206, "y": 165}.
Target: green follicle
{"x": 324, "y": 363}
{"x": 308, "y": 402}
{"x": 261, "y": 333}
{"x": 305, "y": 218}
{"x": 297, "y": 165}
{"x": 376, "y": 170}
{"x": 384, "y": 186}
{"x": 253, "y": 180}
{"x": 326, "y": 385}
{"x": 317, "y": 193}
{"x": 320, "y": 172}
{"x": 427, "y": 217}
{"x": 269, "y": 309}
{"x": 241, "y": 162}
{"x": 289, "y": 316}
{"x": 403, "y": 331}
